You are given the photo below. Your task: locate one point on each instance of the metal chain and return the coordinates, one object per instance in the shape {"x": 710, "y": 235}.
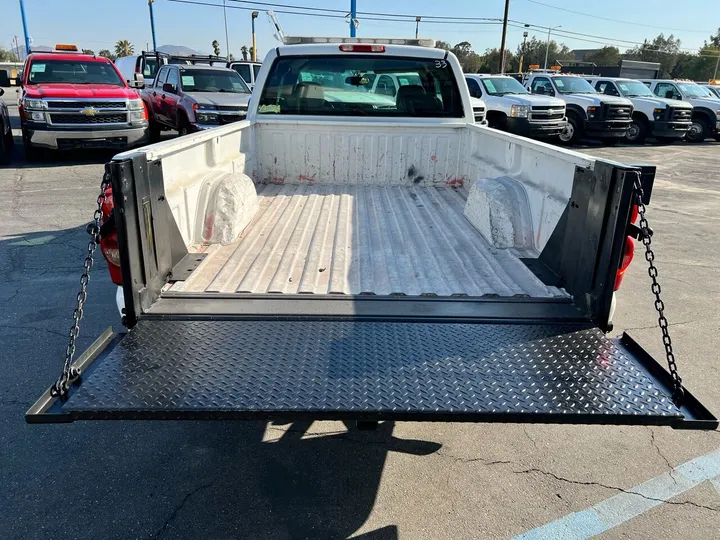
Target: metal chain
{"x": 646, "y": 237}
{"x": 62, "y": 385}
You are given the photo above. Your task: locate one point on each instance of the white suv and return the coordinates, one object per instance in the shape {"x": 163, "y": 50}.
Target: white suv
{"x": 706, "y": 107}
{"x": 588, "y": 113}
{"x": 659, "y": 117}
{"x": 512, "y": 108}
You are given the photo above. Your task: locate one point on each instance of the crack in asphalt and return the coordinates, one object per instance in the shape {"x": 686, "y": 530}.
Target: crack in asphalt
{"x": 525, "y": 431}
{"x": 35, "y": 328}
{"x": 656, "y": 326}
{"x": 671, "y": 470}
{"x": 615, "y": 488}
{"x": 177, "y": 509}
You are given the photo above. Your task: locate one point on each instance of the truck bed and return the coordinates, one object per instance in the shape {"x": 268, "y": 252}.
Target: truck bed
{"x": 384, "y": 240}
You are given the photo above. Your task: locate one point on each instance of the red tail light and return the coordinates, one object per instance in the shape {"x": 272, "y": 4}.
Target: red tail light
{"x": 109, "y": 242}
{"x": 362, "y": 48}
{"x": 628, "y": 254}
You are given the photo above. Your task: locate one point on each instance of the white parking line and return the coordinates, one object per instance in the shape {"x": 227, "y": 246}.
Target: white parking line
{"x": 631, "y": 503}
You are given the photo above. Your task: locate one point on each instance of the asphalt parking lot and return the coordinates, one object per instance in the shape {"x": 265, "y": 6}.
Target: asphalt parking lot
{"x": 223, "y": 480}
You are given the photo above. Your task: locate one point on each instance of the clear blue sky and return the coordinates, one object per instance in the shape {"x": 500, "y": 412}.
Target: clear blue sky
{"x": 98, "y": 24}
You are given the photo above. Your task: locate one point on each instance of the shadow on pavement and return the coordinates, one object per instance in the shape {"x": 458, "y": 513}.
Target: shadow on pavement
{"x": 158, "y": 479}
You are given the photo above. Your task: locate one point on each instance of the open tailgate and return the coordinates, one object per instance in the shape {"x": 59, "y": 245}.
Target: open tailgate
{"x": 359, "y": 370}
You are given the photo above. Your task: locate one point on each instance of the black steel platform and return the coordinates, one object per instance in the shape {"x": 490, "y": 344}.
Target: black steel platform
{"x": 557, "y": 373}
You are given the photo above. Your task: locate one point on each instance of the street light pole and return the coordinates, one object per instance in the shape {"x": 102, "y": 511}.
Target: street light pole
{"x": 152, "y": 24}
{"x": 227, "y": 40}
{"x": 353, "y": 16}
{"x": 27, "y": 37}
{"x": 522, "y": 56}
{"x": 417, "y": 26}
{"x": 547, "y": 46}
{"x": 504, "y": 35}
{"x": 253, "y": 56}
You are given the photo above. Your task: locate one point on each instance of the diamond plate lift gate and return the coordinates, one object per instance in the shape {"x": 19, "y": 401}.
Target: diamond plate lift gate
{"x": 374, "y": 358}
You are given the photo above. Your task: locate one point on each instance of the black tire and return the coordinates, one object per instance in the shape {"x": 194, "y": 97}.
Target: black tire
{"x": 154, "y": 131}
{"x": 32, "y": 153}
{"x": 183, "y": 126}
{"x": 4, "y": 150}
{"x": 699, "y": 131}
{"x": 573, "y": 131}
{"x": 637, "y": 132}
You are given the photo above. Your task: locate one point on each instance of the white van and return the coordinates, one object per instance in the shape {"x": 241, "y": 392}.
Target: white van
{"x": 145, "y": 64}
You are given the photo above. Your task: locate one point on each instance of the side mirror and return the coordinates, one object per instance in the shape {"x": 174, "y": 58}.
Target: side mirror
{"x": 2, "y": 91}
{"x": 540, "y": 90}
{"x": 138, "y": 81}
{"x": 169, "y": 88}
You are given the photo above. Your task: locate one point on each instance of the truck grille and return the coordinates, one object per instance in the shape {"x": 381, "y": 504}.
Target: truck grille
{"x": 230, "y": 118}
{"x": 681, "y": 115}
{"x": 618, "y": 112}
{"x": 86, "y": 104}
{"x": 545, "y": 112}
{"x": 479, "y": 114}
{"x": 82, "y": 119}
{"x": 231, "y": 108}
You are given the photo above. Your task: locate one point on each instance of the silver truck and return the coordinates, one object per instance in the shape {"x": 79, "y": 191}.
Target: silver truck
{"x": 340, "y": 259}
{"x": 193, "y": 97}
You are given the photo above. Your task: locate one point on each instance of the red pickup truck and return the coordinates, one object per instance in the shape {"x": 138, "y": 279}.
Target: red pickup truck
{"x": 71, "y": 100}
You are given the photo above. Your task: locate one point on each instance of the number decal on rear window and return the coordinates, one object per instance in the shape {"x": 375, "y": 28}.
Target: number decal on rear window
{"x": 440, "y": 64}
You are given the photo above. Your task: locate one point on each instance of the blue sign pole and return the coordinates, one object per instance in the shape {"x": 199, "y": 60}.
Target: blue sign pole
{"x": 152, "y": 24}
{"x": 353, "y": 16}
{"x": 27, "y": 37}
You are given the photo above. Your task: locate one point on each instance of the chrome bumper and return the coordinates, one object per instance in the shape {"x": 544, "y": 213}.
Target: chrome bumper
{"x": 48, "y": 138}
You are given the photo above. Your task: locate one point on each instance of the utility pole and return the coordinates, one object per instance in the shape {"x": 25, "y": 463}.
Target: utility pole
{"x": 17, "y": 49}
{"x": 253, "y": 56}
{"x": 152, "y": 24}
{"x": 24, "y": 21}
{"x": 353, "y": 17}
{"x": 227, "y": 40}
{"x": 504, "y": 35}
{"x": 547, "y": 46}
{"x": 417, "y": 27}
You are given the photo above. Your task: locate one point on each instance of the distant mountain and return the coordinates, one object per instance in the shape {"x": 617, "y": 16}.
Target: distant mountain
{"x": 34, "y": 48}
{"x": 179, "y": 50}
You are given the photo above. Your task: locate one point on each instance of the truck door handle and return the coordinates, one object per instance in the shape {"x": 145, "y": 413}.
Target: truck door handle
{"x": 154, "y": 94}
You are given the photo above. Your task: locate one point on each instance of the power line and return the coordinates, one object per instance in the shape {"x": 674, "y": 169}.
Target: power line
{"x": 617, "y": 20}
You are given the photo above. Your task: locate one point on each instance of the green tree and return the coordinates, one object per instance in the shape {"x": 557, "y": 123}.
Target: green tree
{"x": 533, "y": 52}
{"x": 107, "y": 54}
{"x": 88, "y": 51}
{"x": 442, "y": 45}
{"x": 490, "y": 61}
{"x": 606, "y": 56}
{"x": 8, "y": 55}
{"x": 244, "y": 52}
{"x": 216, "y": 47}
{"x": 663, "y": 50}
{"x": 251, "y": 50}
{"x": 123, "y": 48}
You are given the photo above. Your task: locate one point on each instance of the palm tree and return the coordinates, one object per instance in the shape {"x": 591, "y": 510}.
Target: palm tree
{"x": 107, "y": 54}
{"x": 251, "y": 52}
{"x": 244, "y": 51}
{"x": 216, "y": 47}
{"x": 123, "y": 48}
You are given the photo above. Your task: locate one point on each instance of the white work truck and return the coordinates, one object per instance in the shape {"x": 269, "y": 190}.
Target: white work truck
{"x": 512, "y": 108}
{"x": 589, "y": 114}
{"x": 706, "y": 106}
{"x": 665, "y": 119}
{"x": 349, "y": 260}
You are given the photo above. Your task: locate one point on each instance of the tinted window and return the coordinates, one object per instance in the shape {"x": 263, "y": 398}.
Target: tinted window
{"x": 341, "y": 86}
{"x": 151, "y": 67}
{"x": 256, "y": 69}
{"x": 243, "y": 70}
{"x": 172, "y": 77}
{"x": 161, "y": 76}
{"x": 474, "y": 87}
{"x": 212, "y": 80}
{"x": 542, "y": 82}
{"x": 573, "y": 85}
{"x": 75, "y": 72}
{"x": 606, "y": 87}
{"x": 667, "y": 90}
{"x": 499, "y": 86}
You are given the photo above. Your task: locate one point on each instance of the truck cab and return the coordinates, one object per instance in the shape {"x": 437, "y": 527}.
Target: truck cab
{"x": 512, "y": 108}
{"x": 706, "y": 106}
{"x": 72, "y": 100}
{"x": 654, "y": 116}
{"x": 589, "y": 113}
{"x": 247, "y": 70}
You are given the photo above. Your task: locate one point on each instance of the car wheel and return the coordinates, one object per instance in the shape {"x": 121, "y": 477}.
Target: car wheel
{"x": 183, "y": 127}
{"x": 4, "y": 151}
{"x": 637, "y": 132}
{"x": 571, "y": 133}
{"x": 698, "y": 131}
{"x": 32, "y": 153}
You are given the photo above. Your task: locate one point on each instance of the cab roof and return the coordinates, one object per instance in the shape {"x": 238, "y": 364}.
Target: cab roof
{"x": 315, "y": 49}
{"x": 67, "y": 56}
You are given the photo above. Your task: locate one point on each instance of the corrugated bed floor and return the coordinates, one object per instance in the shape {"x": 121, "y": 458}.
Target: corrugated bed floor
{"x": 331, "y": 239}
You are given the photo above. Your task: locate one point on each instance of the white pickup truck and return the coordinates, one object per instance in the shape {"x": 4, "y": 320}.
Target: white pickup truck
{"x": 665, "y": 119}
{"x": 337, "y": 259}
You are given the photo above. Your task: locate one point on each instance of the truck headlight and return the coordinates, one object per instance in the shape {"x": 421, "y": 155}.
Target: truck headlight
{"x": 206, "y": 117}
{"x": 519, "y": 111}
{"x": 34, "y": 104}
{"x": 35, "y": 116}
{"x": 658, "y": 113}
{"x": 592, "y": 112}
{"x": 135, "y": 105}
{"x": 137, "y": 112}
